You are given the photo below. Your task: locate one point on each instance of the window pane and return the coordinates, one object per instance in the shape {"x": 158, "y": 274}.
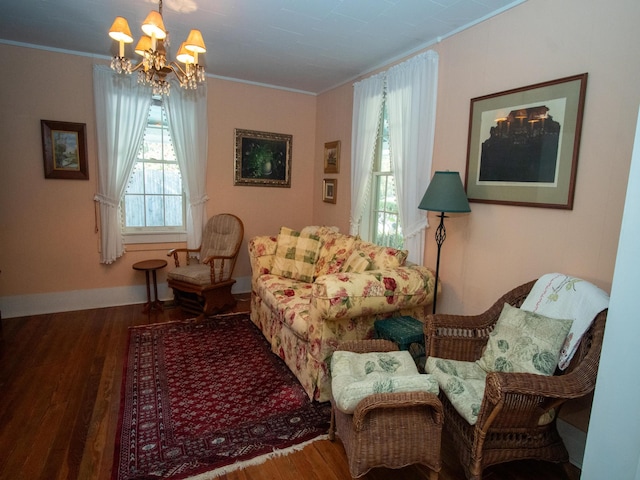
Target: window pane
{"x": 155, "y": 210}
{"x": 136, "y": 182}
{"x": 172, "y": 179}
{"x": 134, "y": 208}
{"x": 173, "y": 210}
{"x": 153, "y": 178}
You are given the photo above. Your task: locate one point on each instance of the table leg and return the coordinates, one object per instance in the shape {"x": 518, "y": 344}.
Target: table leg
{"x": 157, "y": 303}
{"x": 147, "y": 306}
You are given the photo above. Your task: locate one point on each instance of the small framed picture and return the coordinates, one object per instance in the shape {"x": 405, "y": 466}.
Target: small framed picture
{"x": 332, "y": 157}
{"x": 329, "y": 190}
{"x": 64, "y": 150}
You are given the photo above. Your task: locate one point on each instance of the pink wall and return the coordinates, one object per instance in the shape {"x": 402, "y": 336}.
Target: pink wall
{"x": 498, "y": 247}
{"x": 47, "y": 235}
{"x": 48, "y": 241}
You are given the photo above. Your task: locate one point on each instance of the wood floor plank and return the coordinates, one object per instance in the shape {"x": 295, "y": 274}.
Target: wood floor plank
{"x": 60, "y": 383}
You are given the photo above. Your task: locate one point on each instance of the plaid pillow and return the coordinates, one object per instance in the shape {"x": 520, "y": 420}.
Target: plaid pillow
{"x": 296, "y": 255}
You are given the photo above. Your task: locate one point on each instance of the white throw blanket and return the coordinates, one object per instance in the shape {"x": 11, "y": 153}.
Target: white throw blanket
{"x": 556, "y": 295}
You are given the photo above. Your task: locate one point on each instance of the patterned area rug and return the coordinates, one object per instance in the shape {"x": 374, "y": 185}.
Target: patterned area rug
{"x": 201, "y": 399}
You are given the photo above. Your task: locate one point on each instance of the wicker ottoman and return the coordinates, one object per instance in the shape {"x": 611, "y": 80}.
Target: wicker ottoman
{"x": 391, "y": 430}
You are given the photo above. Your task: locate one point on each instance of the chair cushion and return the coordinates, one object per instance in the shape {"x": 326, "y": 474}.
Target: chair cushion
{"x": 197, "y": 274}
{"x": 462, "y": 382}
{"x": 524, "y": 342}
{"x": 296, "y": 255}
{"x": 355, "y": 376}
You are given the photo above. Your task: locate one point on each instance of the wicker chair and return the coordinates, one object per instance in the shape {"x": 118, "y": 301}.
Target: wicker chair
{"x": 205, "y": 287}
{"x": 390, "y": 430}
{"x": 508, "y": 423}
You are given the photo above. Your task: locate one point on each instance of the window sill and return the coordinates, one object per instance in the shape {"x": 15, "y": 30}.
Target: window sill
{"x": 132, "y": 238}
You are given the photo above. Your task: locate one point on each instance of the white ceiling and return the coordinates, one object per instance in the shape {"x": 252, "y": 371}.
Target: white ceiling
{"x": 305, "y": 45}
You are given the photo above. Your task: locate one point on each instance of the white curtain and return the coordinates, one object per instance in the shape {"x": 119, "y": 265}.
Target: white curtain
{"x": 411, "y": 105}
{"x": 367, "y": 108}
{"x": 122, "y": 109}
{"x": 187, "y": 116}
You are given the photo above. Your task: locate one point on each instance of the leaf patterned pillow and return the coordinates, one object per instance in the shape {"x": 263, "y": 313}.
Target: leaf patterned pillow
{"x": 524, "y": 342}
{"x": 355, "y": 376}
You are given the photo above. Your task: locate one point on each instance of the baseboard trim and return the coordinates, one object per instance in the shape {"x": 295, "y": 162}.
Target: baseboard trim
{"x": 44, "y": 303}
{"x": 575, "y": 440}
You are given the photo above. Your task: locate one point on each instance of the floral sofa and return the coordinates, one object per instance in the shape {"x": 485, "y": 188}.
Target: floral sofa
{"x": 315, "y": 288}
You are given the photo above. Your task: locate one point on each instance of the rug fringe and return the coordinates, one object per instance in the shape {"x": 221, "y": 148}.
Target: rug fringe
{"x": 255, "y": 461}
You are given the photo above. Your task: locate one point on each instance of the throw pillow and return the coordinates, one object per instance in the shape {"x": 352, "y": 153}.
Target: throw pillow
{"x": 524, "y": 342}
{"x": 357, "y": 262}
{"x": 382, "y": 257}
{"x": 296, "y": 255}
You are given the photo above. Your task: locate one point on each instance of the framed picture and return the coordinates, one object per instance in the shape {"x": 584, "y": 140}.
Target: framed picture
{"x": 332, "y": 157}
{"x": 523, "y": 144}
{"x": 329, "y": 190}
{"x": 262, "y": 159}
{"x": 64, "y": 150}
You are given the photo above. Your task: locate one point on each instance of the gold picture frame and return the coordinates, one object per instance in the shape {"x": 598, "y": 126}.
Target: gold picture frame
{"x": 262, "y": 158}
{"x": 332, "y": 157}
{"x": 64, "y": 150}
{"x": 523, "y": 144}
{"x": 329, "y": 190}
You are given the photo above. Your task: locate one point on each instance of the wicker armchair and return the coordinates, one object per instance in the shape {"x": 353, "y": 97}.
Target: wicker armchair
{"x": 508, "y": 423}
{"x": 390, "y": 430}
{"x": 205, "y": 287}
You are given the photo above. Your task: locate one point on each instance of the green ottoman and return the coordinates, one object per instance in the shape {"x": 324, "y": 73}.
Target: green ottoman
{"x": 402, "y": 330}
{"x": 407, "y": 332}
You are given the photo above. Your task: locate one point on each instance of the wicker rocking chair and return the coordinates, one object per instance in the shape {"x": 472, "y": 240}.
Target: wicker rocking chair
{"x": 391, "y": 430}
{"x": 508, "y": 426}
{"x": 205, "y": 287}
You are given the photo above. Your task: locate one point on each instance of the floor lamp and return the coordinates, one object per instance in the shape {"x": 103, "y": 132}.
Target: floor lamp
{"x": 445, "y": 194}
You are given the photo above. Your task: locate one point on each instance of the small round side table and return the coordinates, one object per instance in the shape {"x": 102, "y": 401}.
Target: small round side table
{"x": 151, "y": 266}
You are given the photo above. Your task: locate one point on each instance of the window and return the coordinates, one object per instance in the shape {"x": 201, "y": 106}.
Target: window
{"x": 154, "y": 199}
{"x": 384, "y": 225}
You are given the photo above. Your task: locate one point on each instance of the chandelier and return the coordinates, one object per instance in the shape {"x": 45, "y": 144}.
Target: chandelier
{"x": 153, "y": 68}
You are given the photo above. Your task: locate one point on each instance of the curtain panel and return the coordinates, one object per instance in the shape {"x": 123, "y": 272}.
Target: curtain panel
{"x": 410, "y": 92}
{"x": 187, "y": 115}
{"x": 412, "y": 89}
{"x": 122, "y": 107}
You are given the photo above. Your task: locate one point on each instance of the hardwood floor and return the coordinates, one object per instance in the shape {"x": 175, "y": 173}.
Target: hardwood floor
{"x": 60, "y": 377}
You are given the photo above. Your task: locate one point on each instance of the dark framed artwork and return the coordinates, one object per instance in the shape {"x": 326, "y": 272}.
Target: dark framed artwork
{"x": 262, "y": 158}
{"x": 64, "y": 150}
{"x": 329, "y": 190}
{"x": 524, "y": 143}
{"x": 332, "y": 157}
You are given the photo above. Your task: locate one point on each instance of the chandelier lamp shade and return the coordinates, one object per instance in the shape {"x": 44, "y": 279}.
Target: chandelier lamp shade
{"x": 445, "y": 194}
{"x": 153, "y": 67}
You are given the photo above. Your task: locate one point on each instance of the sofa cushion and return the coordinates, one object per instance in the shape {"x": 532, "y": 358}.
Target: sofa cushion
{"x": 524, "y": 342}
{"x": 382, "y": 257}
{"x": 289, "y": 299}
{"x": 355, "y": 376}
{"x": 296, "y": 255}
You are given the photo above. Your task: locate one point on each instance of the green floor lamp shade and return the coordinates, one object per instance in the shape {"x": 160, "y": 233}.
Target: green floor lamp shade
{"x": 445, "y": 194}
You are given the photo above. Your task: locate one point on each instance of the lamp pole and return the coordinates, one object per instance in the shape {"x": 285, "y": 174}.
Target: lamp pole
{"x": 441, "y": 234}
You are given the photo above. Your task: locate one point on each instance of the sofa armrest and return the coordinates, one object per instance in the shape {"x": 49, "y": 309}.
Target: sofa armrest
{"x": 348, "y": 295}
{"x": 262, "y": 250}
